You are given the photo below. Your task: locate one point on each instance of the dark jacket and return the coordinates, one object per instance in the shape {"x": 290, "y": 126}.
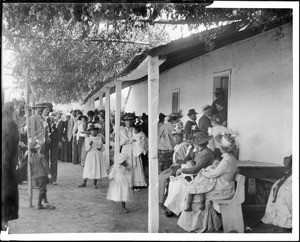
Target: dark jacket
{"x": 39, "y": 165}
{"x": 190, "y": 128}
{"x": 204, "y": 123}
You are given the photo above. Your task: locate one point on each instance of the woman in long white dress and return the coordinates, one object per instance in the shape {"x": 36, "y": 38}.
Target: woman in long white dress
{"x": 126, "y": 142}
{"x": 96, "y": 162}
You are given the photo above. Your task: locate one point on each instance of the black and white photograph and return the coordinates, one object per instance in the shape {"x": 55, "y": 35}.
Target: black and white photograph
{"x": 154, "y": 120}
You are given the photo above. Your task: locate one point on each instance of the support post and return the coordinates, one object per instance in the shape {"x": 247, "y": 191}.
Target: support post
{"x": 29, "y": 179}
{"x": 153, "y": 95}
{"x": 92, "y": 103}
{"x": 100, "y": 100}
{"x": 118, "y": 117}
{"x": 107, "y": 120}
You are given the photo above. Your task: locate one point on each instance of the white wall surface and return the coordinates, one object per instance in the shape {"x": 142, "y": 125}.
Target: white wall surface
{"x": 260, "y": 99}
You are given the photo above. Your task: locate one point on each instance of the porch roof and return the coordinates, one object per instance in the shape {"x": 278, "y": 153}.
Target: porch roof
{"x": 182, "y": 50}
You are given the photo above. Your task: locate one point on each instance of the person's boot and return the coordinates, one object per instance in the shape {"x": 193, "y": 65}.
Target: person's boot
{"x": 189, "y": 201}
{"x": 95, "y": 183}
{"x": 202, "y": 201}
{"x": 124, "y": 209}
{"x": 83, "y": 183}
{"x": 40, "y": 206}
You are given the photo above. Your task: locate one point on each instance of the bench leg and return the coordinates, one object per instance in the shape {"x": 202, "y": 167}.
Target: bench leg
{"x": 232, "y": 218}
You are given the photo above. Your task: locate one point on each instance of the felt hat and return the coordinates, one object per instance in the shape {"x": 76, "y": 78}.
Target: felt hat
{"x": 178, "y": 129}
{"x": 50, "y": 106}
{"x": 225, "y": 139}
{"x": 40, "y": 105}
{"x": 82, "y": 116}
{"x": 192, "y": 111}
{"x": 219, "y": 90}
{"x": 120, "y": 158}
{"x": 205, "y": 108}
{"x": 200, "y": 138}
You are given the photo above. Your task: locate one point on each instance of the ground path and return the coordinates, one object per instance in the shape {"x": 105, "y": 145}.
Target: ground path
{"x": 84, "y": 210}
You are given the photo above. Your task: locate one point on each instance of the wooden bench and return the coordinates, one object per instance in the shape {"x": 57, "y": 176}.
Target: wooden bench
{"x": 231, "y": 209}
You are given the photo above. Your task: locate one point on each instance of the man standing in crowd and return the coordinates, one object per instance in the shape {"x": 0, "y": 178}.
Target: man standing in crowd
{"x": 191, "y": 125}
{"x": 75, "y": 157}
{"x": 219, "y": 106}
{"x": 70, "y": 134}
{"x": 204, "y": 122}
{"x": 37, "y": 127}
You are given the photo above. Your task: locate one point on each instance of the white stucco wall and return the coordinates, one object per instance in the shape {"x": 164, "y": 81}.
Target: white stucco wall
{"x": 260, "y": 98}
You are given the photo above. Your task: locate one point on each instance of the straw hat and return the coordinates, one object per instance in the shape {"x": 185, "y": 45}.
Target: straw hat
{"x": 225, "y": 139}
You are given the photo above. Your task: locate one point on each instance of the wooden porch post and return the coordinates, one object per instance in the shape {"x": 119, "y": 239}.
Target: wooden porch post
{"x": 118, "y": 117}
{"x": 92, "y": 103}
{"x": 29, "y": 179}
{"x": 107, "y": 120}
{"x": 153, "y": 94}
{"x": 100, "y": 100}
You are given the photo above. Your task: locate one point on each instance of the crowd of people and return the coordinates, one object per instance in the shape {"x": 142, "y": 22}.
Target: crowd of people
{"x": 197, "y": 162}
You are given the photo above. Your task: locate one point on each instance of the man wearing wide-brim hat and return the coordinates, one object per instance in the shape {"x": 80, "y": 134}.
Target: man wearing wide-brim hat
{"x": 37, "y": 126}
{"x": 191, "y": 126}
{"x": 205, "y": 121}
{"x": 219, "y": 106}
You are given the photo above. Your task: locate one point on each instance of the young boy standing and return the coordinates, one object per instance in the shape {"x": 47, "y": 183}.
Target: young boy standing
{"x": 40, "y": 173}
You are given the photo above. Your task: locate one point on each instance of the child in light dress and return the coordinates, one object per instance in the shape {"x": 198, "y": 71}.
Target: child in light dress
{"x": 119, "y": 182}
{"x": 140, "y": 141}
{"x": 200, "y": 185}
{"x": 95, "y": 162}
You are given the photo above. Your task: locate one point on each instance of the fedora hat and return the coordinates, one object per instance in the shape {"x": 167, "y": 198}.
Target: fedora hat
{"x": 225, "y": 139}
{"x": 192, "y": 111}
{"x": 219, "y": 90}
{"x": 82, "y": 116}
{"x": 40, "y": 105}
{"x": 200, "y": 138}
{"x": 50, "y": 106}
{"x": 205, "y": 108}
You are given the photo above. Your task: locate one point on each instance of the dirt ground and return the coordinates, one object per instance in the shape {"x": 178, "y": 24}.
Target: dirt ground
{"x": 84, "y": 210}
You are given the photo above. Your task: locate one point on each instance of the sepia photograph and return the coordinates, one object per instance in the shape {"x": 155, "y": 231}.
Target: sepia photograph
{"x": 155, "y": 120}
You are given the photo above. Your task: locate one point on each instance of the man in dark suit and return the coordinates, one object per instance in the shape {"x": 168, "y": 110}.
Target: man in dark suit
{"x": 219, "y": 106}
{"x": 204, "y": 122}
{"x": 191, "y": 125}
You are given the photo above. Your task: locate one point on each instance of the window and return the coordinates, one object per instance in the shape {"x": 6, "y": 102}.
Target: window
{"x": 175, "y": 101}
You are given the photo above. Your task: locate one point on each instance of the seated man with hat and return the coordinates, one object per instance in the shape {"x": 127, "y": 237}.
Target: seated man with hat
{"x": 191, "y": 126}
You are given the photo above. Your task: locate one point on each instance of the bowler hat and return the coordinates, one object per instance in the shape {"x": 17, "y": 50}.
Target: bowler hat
{"x": 40, "y": 105}
{"x": 200, "y": 138}
{"x": 192, "y": 111}
{"x": 219, "y": 90}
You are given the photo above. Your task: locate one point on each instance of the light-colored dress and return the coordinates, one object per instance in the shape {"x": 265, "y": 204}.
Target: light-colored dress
{"x": 119, "y": 185}
{"x": 207, "y": 219}
{"x": 279, "y": 213}
{"x": 96, "y": 162}
{"x": 137, "y": 172}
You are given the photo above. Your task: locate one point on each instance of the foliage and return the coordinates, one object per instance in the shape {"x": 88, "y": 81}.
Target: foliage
{"x": 55, "y": 41}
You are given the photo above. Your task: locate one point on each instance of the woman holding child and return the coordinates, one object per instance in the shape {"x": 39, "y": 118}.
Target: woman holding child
{"x": 207, "y": 219}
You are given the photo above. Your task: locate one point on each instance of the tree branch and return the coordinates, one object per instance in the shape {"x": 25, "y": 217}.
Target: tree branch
{"x": 120, "y": 41}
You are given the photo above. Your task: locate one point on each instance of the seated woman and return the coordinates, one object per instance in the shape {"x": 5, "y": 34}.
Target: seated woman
{"x": 279, "y": 206}
{"x": 179, "y": 154}
{"x": 208, "y": 219}
{"x": 203, "y": 158}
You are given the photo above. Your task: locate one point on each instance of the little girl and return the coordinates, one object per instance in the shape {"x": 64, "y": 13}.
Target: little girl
{"x": 119, "y": 185}
{"x": 95, "y": 162}
{"x": 200, "y": 185}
